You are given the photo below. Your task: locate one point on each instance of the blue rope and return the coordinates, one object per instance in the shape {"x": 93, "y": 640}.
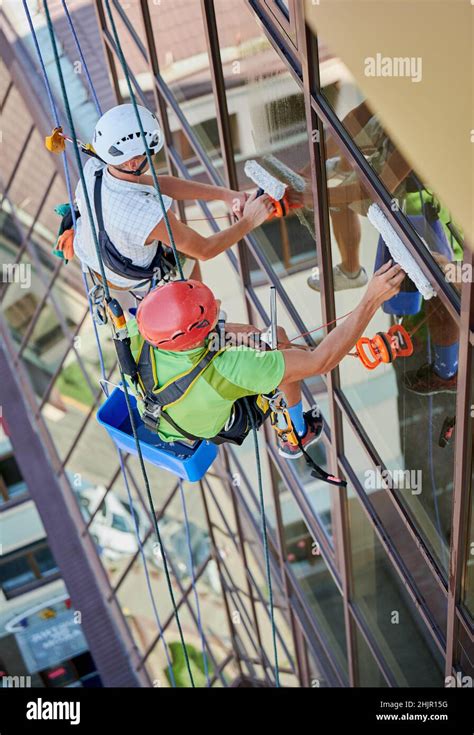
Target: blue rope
{"x": 81, "y": 56}
{"x": 99, "y": 346}
{"x": 142, "y": 133}
{"x": 108, "y": 298}
{"x": 193, "y": 582}
{"x": 263, "y": 525}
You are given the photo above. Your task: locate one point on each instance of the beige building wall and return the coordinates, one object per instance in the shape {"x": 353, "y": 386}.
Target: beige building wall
{"x": 431, "y": 119}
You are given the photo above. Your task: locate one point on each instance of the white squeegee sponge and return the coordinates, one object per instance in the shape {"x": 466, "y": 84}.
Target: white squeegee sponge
{"x": 294, "y": 179}
{"x": 264, "y": 180}
{"x": 399, "y": 252}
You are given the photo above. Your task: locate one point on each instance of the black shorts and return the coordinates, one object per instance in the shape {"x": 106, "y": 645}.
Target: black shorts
{"x": 243, "y": 422}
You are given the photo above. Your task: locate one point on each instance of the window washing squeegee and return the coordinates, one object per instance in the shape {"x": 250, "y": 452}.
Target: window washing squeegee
{"x": 399, "y": 252}
{"x": 268, "y": 184}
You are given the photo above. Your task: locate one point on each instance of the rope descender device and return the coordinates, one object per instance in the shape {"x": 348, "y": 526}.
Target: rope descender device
{"x": 384, "y": 347}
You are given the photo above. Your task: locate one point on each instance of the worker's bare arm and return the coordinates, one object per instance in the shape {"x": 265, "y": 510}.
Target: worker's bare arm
{"x": 193, "y": 244}
{"x": 300, "y": 365}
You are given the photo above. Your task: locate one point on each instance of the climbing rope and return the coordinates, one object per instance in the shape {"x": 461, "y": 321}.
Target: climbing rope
{"x": 96, "y": 334}
{"x": 263, "y": 527}
{"x": 142, "y": 133}
{"x": 81, "y": 56}
{"x": 193, "y": 581}
{"x": 108, "y": 299}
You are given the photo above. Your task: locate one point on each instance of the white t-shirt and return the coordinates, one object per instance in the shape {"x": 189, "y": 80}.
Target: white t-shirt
{"x": 131, "y": 211}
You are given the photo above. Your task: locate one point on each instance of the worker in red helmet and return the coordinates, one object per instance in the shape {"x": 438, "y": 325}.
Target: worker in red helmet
{"x": 211, "y": 384}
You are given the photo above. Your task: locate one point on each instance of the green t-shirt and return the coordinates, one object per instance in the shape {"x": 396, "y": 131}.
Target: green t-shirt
{"x": 235, "y": 373}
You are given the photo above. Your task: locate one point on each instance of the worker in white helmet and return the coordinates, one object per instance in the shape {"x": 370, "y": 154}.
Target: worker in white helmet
{"x": 128, "y": 210}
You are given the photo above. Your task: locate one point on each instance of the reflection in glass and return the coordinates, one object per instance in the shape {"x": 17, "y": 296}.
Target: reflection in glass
{"x": 389, "y": 612}
{"x": 315, "y": 580}
{"x": 368, "y": 673}
{"x": 399, "y": 535}
{"x": 402, "y": 406}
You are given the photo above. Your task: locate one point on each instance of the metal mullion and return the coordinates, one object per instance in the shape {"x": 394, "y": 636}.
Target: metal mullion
{"x": 243, "y": 613}
{"x": 239, "y": 544}
{"x": 162, "y": 110}
{"x": 170, "y": 100}
{"x": 286, "y": 22}
{"x": 372, "y": 645}
{"x": 464, "y": 622}
{"x": 409, "y": 237}
{"x": 148, "y": 534}
{"x": 32, "y": 249}
{"x": 223, "y": 121}
{"x": 253, "y": 525}
{"x": 260, "y": 650}
{"x": 18, "y": 161}
{"x": 271, "y": 533}
{"x": 135, "y": 37}
{"x": 31, "y": 228}
{"x": 462, "y": 468}
{"x": 282, "y": 546}
{"x": 102, "y": 22}
{"x": 38, "y": 310}
{"x": 220, "y": 671}
{"x": 395, "y": 558}
{"x": 107, "y": 490}
{"x": 217, "y": 559}
{"x": 145, "y": 504}
{"x": 311, "y": 83}
{"x": 77, "y": 438}
{"x": 311, "y": 520}
{"x": 382, "y": 197}
{"x": 372, "y": 454}
{"x": 110, "y": 44}
{"x": 294, "y": 585}
{"x": 5, "y": 96}
{"x": 130, "y": 564}
{"x": 171, "y": 617}
{"x": 312, "y": 622}
{"x": 186, "y": 594}
{"x": 283, "y": 47}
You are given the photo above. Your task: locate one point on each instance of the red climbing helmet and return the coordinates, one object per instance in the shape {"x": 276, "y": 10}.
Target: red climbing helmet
{"x": 178, "y": 315}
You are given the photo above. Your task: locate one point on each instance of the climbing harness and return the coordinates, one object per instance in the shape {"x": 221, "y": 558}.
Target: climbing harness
{"x": 162, "y": 267}
{"x": 384, "y": 347}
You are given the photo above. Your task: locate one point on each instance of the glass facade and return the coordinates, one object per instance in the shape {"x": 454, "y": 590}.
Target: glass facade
{"x": 362, "y": 578}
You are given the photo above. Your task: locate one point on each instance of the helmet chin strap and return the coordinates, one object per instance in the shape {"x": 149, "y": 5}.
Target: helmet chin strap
{"x": 138, "y": 171}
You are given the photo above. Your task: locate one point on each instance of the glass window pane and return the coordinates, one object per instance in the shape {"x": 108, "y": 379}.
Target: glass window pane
{"x": 11, "y": 481}
{"x": 468, "y": 587}
{"x": 45, "y": 561}
{"x": 400, "y": 536}
{"x": 271, "y": 122}
{"x": 15, "y": 573}
{"x": 368, "y": 673}
{"x": 426, "y": 214}
{"x": 389, "y": 612}
{"x": 316, "y": 581}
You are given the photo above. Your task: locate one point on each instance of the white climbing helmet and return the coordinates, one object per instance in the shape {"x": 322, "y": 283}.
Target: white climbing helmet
{"x": 117, "y": 136}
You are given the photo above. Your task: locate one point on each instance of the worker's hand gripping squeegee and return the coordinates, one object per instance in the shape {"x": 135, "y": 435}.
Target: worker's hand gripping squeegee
{"x": 399, "y": 252}
{"x": 276, "y": 190}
